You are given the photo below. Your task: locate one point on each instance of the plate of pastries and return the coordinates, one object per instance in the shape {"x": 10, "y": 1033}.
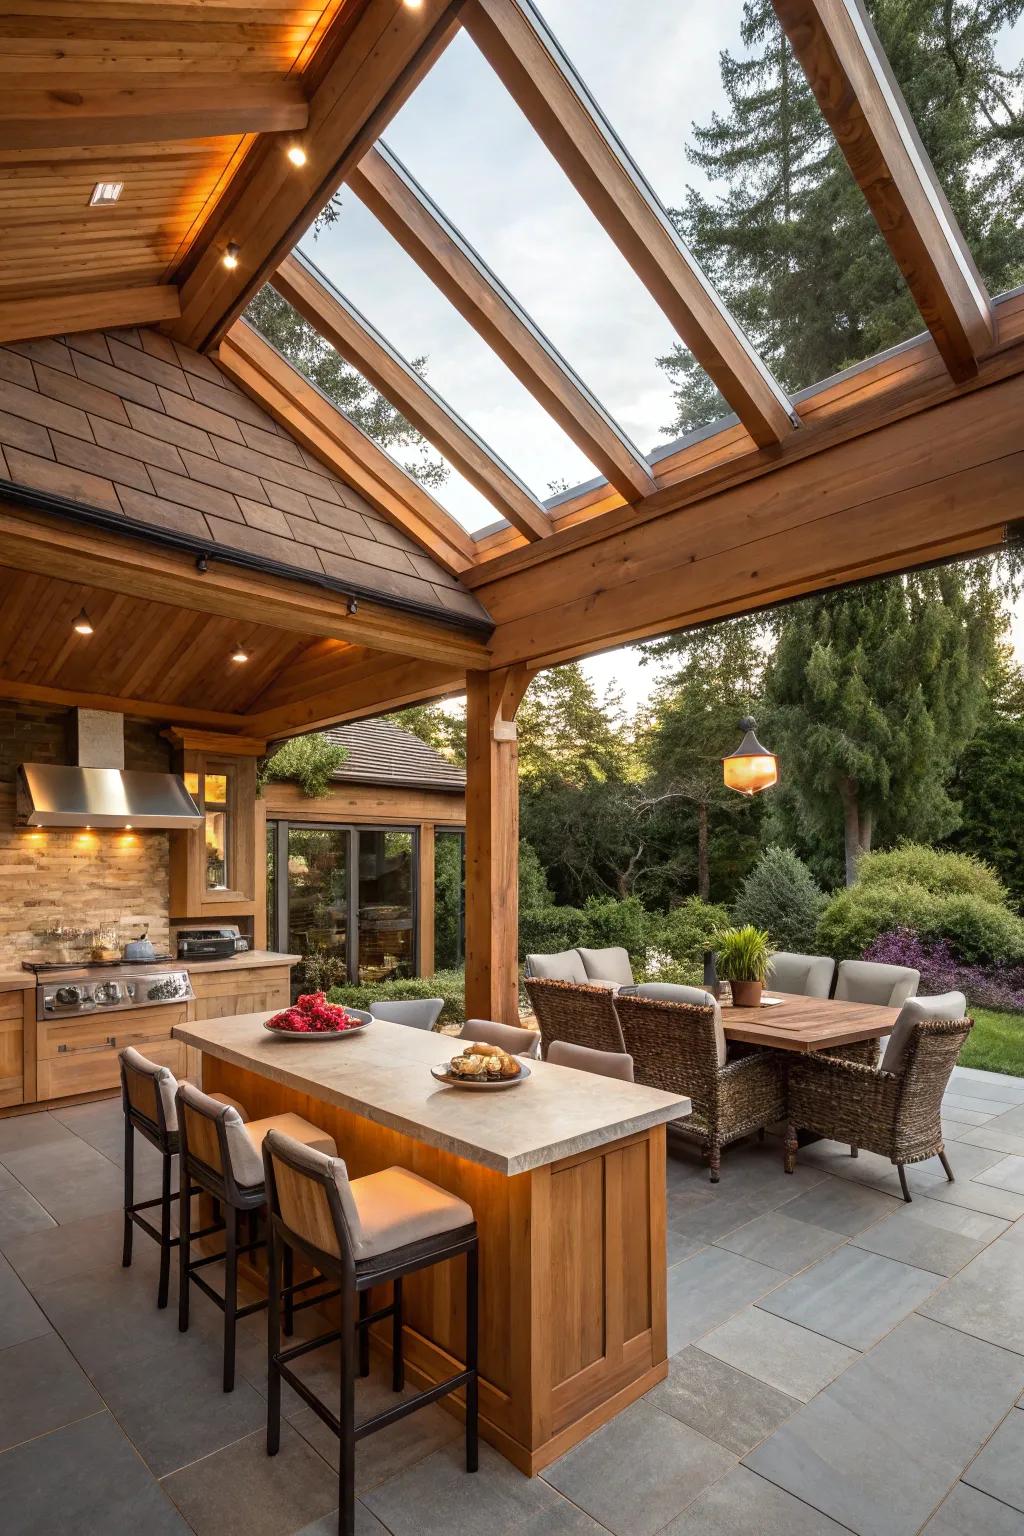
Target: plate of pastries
{"x": 481, "y": 1066}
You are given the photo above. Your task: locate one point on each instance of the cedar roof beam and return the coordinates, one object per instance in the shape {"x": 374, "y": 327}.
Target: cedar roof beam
{"x": 361, "y": 345}
{"x": 539, "y": 77}
{"x": 120, "y": 109}
{"x": 325, "y": 431}
{"x": 863, "y": 105}
{"x": 369, "y": 62}
{"x": 56, "y": 314}
{"x": 409, "y": 215}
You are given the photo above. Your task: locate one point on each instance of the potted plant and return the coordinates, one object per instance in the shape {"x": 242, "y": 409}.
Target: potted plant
{"x": 744, "y": 956}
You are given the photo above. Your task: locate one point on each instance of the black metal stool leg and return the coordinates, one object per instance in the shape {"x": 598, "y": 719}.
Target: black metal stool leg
{"x": 364, "y": 1333}
{"x": 347, "y": 1420}
{"x": 230, "y": 1295}
{"x": 165, "y": 1230}
{"x": 184, "y": 1242}
{"x": 273, "y": 1343}
{"x": 397, "y": 1355}
{"x": 289, "y": 1300}
{"x": 129, "y": 1190}
{"x": 472, "y": 1327}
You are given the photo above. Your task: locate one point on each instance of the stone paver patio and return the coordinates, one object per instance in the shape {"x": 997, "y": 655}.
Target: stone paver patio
{"x": 840, "y": 1362}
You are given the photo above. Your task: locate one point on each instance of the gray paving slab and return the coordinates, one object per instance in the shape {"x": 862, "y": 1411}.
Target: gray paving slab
{"x": 669, "y": 1464}
{"x": 792, "y": 1359}
{"x": 728, "y": 1406}
{"x": 20, "y": 1212}
{"x": 108, "y": 1317}
{"x": 20, "y": 1317}
{"x": 992, "y": 1137}
{"x": 780, "y": 1242}
{"x": 42, "y": 1388}
{"x": 53, "y": 1253}
{"x": 23, "y": 1131}
{"x": 83, "y": 1479}
{"x": 241, "y": 1491}
{"x": 879, "y": 1448}
{"x": 986, "y": 1298}
{"x": 852, "y": 1296}
{"x": 744, "y": 1504}
{"x": 966, "y": 1512}
{"x": 998, "y": 1469}
{"x": 987, "y": 1085}
{"x": 977, "y": 1102}
{"x": 974, "y": 1196}
{"x": 1008, "y": 1173}
{"x": 69, "y": 1178}
{"x": 705, "y": 1290}
{"x": 700, "y": 1216}
{"x": 965, "y": 1116}
{"x": 931, "y": 1235}
{"x": 327, "y": 1525}
{"x": 840, "y": 1206}
{"x": 1011, "y": 1120}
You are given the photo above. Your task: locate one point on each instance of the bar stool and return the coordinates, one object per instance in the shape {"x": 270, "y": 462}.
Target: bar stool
{"x": 221, "y": 1155}
{"x": 360, "y": 1233}
{"x": 148, "y": 1099}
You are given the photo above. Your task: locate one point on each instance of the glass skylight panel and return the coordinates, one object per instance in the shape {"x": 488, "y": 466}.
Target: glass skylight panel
{"x": 369, "y": 267}
{"x": 465, "y": 140}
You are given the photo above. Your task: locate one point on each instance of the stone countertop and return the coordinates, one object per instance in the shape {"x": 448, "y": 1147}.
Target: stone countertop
{"x": 16, "y": 981}
{"x": 383, "y": 1074}
{"x": 247, "y": 960}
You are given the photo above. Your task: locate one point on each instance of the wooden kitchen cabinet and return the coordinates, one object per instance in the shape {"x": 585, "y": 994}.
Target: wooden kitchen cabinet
{"x": 80, "y": 1055}
{"x": 262, "y": 989}
{"x": 17, "y": 1048}
{"x": 215, "y": 866}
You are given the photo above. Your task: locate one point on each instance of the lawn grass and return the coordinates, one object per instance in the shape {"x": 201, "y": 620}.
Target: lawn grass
{"x": 996, "y": 1043}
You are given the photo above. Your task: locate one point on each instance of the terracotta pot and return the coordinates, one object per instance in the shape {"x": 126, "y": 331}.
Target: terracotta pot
{"x": 747, "y": 994}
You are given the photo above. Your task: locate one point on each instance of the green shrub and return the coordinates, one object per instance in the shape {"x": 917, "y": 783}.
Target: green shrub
{"x": 977, "y": 931}
{"x": 782, "y": 896}
{"x": 607, "y": 922}
{"x": 685, "y": 933}
{"x": 548, "y": 930}
{"x": 311, "y": 761}
{"x": 451, "y": 985}
{"x": 935, "y": 870}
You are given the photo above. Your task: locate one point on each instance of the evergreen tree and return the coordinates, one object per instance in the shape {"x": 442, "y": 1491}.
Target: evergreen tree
{"x": 871, "y": 695}
{"x": 989, "y": 781}
{"x": 790, "y": 242}
{"x": 315, "y": 358}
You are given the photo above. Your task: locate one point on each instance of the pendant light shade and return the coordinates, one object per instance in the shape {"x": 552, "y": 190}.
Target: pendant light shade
{"x": 751, "y": 767}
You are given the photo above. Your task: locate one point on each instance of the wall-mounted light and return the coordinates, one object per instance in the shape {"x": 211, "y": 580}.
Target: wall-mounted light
{"x": 353, "y": 606}
{"x": 83, "y": 625}
{"x": 751, "y": 767}
{"x": 296, "y": 154}
{"x": 230, "y": 257}
{"x": 239, "y": 654}
{"x": 104, "y": 193}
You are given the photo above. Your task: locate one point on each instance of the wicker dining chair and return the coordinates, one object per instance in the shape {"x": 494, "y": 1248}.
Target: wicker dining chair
{"x": 581, "y": 1015}
{"x": 893, "y": 1110}
{"x": 680, "y": 1047}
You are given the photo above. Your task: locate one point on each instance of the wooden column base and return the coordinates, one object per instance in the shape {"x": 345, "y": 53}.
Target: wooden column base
{"x": 572, "y": 1275}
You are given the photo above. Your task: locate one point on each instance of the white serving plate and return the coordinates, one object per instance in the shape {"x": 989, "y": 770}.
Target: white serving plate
{"x": 337, "y": 1034}
{"x": 440, "y": 1074}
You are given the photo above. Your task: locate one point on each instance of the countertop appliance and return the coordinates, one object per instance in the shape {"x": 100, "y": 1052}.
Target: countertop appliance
{"x": 210, "y": 943}
{"x": 73, "y": 991}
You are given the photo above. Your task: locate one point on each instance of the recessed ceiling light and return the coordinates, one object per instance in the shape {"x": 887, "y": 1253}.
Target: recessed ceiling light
{"x": 413, "y": 5}
{"x": 296, "y": 154}
{"x": 105, "y": 192}
{"x": 240, "y": 654}
{"x": 83, "y": 625}
{"x": 231, "y": 256}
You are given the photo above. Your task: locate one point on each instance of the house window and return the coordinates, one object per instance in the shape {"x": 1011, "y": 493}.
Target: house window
{"x": 449, "y": 899}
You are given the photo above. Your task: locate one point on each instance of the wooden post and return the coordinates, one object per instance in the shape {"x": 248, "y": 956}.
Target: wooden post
{"x": 492, "y": 843}
{"x": 425, "y": 961}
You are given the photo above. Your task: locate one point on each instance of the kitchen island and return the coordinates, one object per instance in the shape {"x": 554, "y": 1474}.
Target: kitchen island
{"x": 566, "y": 1176}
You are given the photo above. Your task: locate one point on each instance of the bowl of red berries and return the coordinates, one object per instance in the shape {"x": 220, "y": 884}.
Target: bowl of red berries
{"x": 312, "y": 1017}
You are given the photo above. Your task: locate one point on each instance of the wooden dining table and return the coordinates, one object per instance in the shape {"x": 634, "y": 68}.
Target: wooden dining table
{"x": 806, "y": 1023}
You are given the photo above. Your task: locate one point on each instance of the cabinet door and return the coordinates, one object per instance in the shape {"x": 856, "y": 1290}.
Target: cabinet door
{"x": 12, "y": 1049}
{"x": 81, "y": 1055}
{"x": 225, "y": 994}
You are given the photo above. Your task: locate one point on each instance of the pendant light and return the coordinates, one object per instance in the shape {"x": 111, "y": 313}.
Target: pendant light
{"x": 751, "y": 767}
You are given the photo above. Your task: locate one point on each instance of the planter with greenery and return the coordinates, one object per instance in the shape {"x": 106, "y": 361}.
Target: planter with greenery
{"x": 743, "y": 958}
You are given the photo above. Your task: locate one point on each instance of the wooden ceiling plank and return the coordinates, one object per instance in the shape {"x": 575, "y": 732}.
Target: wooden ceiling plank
{"x": 329, "y": 313}
{"x": 325, "y": 431}
{"x": 410, "y": 217}
{"x": 55, "y": 315}
{"x": 836, "y": 45}
{"x": 387, "y": 48}
{"x": 145, "y": 709}
{"x": 398, "y": 682}
{"x": 124, "y": 110}
{"x": 517, "y": 44}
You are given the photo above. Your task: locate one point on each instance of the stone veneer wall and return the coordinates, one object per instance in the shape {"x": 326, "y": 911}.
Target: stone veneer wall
{"x": 84, "y": 879}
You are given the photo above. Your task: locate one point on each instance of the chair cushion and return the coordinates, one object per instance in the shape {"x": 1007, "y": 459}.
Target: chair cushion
{"x": 610, "y": 965}
{"x": 518, "y": 1042}
{"x": 255, "y": 1130}
{"x": 802, "y": 975}
{"x": 393, "y": 1208}
{"x": 565, "y": 966}
{"x": 868, "y": 981}
{"x": 417, "y": 1013}
{"x": 948, "y": 1005}
{"x": 671, "y": 992}
{"x": 562, "y": 1053}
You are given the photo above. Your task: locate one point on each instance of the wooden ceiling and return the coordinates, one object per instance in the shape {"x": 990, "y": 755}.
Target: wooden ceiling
{"x": 81, "y": 82}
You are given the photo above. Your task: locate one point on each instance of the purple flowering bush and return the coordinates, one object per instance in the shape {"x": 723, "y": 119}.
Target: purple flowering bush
{"x": 985, "y": 986}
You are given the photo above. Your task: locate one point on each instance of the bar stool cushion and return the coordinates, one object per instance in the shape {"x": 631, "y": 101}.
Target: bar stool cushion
{"x": 393, "y": 1208}
{"x": 518, "y": 1042}
{"x": 167, "y": 1084}
{"x": 245, "y": 1142}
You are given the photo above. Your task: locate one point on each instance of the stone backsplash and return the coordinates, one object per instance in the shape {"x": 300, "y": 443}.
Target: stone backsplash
{"x": 94, "y": 880}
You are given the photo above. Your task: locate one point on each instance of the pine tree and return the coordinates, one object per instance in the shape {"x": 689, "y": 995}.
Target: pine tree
{"x": 790, "y": 242}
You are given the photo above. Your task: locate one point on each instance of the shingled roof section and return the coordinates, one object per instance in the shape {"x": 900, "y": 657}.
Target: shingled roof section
{"x": 380, "y": 752}
{"x": 130, "y": 423}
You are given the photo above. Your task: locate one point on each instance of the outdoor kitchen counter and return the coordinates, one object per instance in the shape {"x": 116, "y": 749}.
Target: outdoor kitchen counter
{"x": 566, "y": 1177}
{"x": 247, "y": 960}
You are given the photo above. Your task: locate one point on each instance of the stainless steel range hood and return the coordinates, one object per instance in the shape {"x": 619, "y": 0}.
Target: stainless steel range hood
{"x": 99, "y": 791}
